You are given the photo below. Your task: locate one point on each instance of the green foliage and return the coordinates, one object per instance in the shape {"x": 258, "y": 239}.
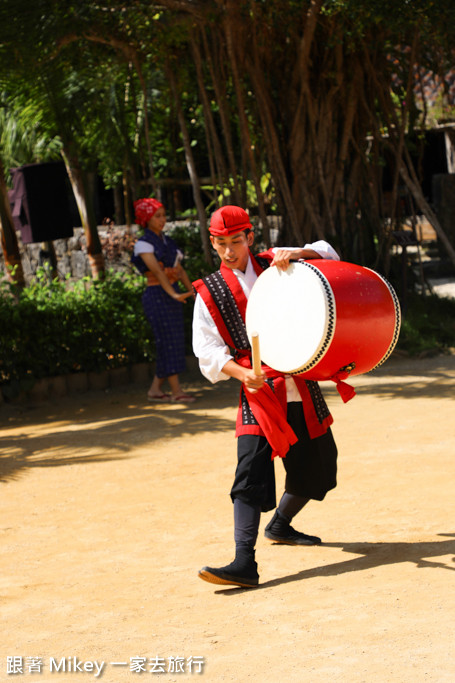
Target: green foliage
{"x": 22, "y": 137}
{"x": 224, "y": 194}
{"x": 53, "y": 327}
{"x": 429, "y": 325}
{"x": 95, "y": 78}
{"x": 188, "y": 238}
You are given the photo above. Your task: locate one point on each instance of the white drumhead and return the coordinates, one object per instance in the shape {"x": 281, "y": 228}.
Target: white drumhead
{"x": 293, "y": 312}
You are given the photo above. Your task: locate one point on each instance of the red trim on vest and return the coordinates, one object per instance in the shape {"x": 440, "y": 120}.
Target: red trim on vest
{"x": 236, "y": 289}
{"x": 315, "y": 428}
{"x": 203, "y": 291}
{"x": 268, "y": 407}
{"x": 269, "y": 254}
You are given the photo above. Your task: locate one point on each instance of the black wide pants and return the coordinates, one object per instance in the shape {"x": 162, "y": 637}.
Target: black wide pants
{"x": 310, "y": 464}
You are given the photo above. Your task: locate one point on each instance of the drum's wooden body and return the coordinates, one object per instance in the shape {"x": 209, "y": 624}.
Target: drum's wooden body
{"x": 321, "y": 317}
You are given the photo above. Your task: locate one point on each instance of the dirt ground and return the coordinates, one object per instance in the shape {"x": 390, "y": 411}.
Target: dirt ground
{"x": 109, "y": 506}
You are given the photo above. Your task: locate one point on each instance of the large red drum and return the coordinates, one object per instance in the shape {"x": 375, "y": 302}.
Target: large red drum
{"x": 323, "y": 319}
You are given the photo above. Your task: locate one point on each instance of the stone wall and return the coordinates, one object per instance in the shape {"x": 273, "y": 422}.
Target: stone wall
{"x": 71, "y": 253}
{"x": 117, "y": 242}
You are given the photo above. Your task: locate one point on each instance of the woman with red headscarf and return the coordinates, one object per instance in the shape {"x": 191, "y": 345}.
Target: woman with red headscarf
{"x": 158, "y": 258}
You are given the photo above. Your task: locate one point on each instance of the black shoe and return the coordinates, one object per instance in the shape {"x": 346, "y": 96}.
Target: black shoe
{"x": 244, "y": 574}
{"x": 280, "y": 531}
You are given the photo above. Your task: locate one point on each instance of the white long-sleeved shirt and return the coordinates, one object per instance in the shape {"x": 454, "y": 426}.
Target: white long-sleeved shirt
{"x": 209, "y": 346}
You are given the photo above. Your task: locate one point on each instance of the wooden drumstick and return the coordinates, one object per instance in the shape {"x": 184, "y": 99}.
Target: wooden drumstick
{"x": 256, "y": 354}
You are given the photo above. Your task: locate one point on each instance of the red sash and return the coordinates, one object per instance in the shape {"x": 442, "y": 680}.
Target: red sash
{"x": 269, "y": 408}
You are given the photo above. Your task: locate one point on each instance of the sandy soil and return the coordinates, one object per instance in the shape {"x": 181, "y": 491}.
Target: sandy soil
{"x": 110, "y": 505}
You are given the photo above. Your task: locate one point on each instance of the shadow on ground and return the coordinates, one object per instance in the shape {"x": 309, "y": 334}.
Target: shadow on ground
{"x": 371, "y": 555}
{"x": 98, "y": 427}
{"x": 102, "y": 427}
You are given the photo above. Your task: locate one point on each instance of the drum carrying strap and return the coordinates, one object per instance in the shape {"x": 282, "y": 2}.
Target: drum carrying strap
{"x": 345, "y": 390}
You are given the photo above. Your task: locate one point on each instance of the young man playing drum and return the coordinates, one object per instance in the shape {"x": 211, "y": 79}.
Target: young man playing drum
{"x": 278, "y": 414}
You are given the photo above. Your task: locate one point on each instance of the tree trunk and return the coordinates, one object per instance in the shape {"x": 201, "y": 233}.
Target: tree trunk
{"x": 119, "y": 210}
{"x": 126, "y": 196}
{"x": 192, "y": 172}
{"x": 211, "y": 133}
{"x": 10, "y": 245}
{"x": 79, "y": 183}
{"x": 218, "y": 82}
{"x": 245, "y": 132}
{"x": 137, "y": 66}
{"x": 272, "y": 141}
{"x": 425, "y": 208}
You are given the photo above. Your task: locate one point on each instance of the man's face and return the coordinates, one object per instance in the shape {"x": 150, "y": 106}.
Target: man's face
{"x": 233, "y": 250}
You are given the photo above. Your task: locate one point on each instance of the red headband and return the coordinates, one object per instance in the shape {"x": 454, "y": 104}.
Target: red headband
{"x": 144, "y": 210}
{"x": 229, "y": 220}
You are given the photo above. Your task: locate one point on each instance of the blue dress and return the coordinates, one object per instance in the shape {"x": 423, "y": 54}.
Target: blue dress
{"x": 164, "y": 314}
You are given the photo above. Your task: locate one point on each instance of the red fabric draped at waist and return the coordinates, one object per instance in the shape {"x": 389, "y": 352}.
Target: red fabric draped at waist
{"x": 270, "y": 407}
